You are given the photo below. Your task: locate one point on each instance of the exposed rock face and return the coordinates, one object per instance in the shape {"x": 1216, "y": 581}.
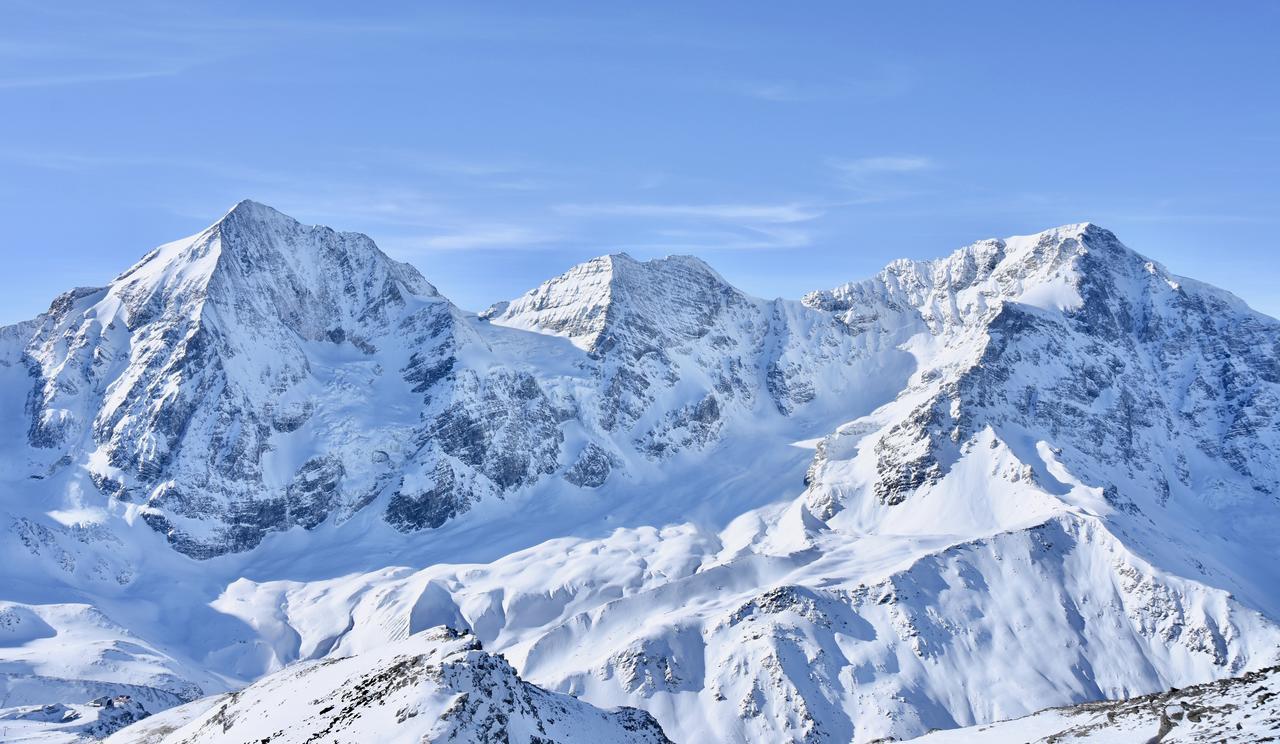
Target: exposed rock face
{"x": 1088, "y": 344}
{"x": 438, "y": 685}
{"x": 591, "y": 469}
{"x": 188, "y": 384}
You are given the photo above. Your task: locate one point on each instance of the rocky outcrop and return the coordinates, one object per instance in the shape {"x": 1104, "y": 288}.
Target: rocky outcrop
{"x": 1237, "y": 709}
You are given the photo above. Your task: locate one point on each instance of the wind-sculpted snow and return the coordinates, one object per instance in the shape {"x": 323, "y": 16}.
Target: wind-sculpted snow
{"x": 70, "y": 673}
{"x": 1039, "y": 472}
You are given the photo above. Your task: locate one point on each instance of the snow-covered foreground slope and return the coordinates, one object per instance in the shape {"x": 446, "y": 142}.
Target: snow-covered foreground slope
{"x": 435, "y": 686}
{"x": 1239, "y": 709}
{"x": 799, "y": 631}
{"x": 1037, "y": 472}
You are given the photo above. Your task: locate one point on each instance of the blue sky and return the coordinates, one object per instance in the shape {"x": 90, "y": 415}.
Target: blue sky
{"x": 793, "y": 146}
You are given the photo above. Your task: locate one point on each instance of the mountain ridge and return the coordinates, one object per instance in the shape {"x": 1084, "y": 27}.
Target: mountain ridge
{"x": 757, "y": 519}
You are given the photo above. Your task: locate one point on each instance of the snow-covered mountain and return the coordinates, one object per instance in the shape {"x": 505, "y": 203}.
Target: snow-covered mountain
{"x": 181, "y": 385}
{"x": 264, "y": 375}
{"x": 1037, "y": 472}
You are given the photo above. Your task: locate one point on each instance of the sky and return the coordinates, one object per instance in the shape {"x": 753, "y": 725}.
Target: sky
{"x": 493, "y": 145}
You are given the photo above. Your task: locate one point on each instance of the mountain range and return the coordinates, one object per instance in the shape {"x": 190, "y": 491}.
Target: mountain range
{"x": 632, "y": 504}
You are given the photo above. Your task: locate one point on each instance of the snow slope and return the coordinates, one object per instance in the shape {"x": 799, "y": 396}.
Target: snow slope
{"x": 1037, "y": 472}
{"x": 798, "y": 631}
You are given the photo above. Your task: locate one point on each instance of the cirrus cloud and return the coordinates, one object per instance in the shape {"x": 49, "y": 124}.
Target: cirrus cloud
{"x": 766, "y": 213}
{"x": 883, "y": 164}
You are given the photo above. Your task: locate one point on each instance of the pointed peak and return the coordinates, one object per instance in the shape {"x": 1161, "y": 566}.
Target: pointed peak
{"x": 247, "y": 211}
{"x": 595, "y": 296}
{"x": 257, "y": 255}
{"x": 249, "y": 206}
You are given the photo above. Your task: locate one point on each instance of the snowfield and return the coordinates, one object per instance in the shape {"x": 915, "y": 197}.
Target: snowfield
{"x": 270, "y": 483}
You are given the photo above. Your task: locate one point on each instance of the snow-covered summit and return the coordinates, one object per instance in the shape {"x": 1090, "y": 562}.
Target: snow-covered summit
{"x": 167, "y": 386}
{"x": 1042, "y": 270}
{"x": 678, "y": 349}
{"x": 256, "y": 259}
{"x": 1160, "y": 391}
{"x": 597, "y": 302}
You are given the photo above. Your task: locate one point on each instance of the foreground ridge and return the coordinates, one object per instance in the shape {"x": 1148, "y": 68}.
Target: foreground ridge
{"x": 438, "y": 685}
{"x": 1238, "y": 709}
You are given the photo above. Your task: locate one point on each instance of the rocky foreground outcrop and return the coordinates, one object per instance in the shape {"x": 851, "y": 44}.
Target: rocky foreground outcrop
{"x": 436, "y": 686}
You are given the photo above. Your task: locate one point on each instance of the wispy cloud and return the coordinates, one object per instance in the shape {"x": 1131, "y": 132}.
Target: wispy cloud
{"x": 100, "y": 45}
{"x": 486, "y": 237}
{"x": 47, "y": 81}
{"x": 764, "y": 213}
{"x": 881, "y": 178}
{"x": 406, "y": 219}
{"x": 693, "y": 228}
{"x": 775, "y": 91}
{"x": 873, "y": 80}
{"x": 883, "y": 164}
{"x": 83, "y": 162}
{"x": 743, "y": 239}
{"x": 459, "y": 171}
{"x": 409, "y": 222}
